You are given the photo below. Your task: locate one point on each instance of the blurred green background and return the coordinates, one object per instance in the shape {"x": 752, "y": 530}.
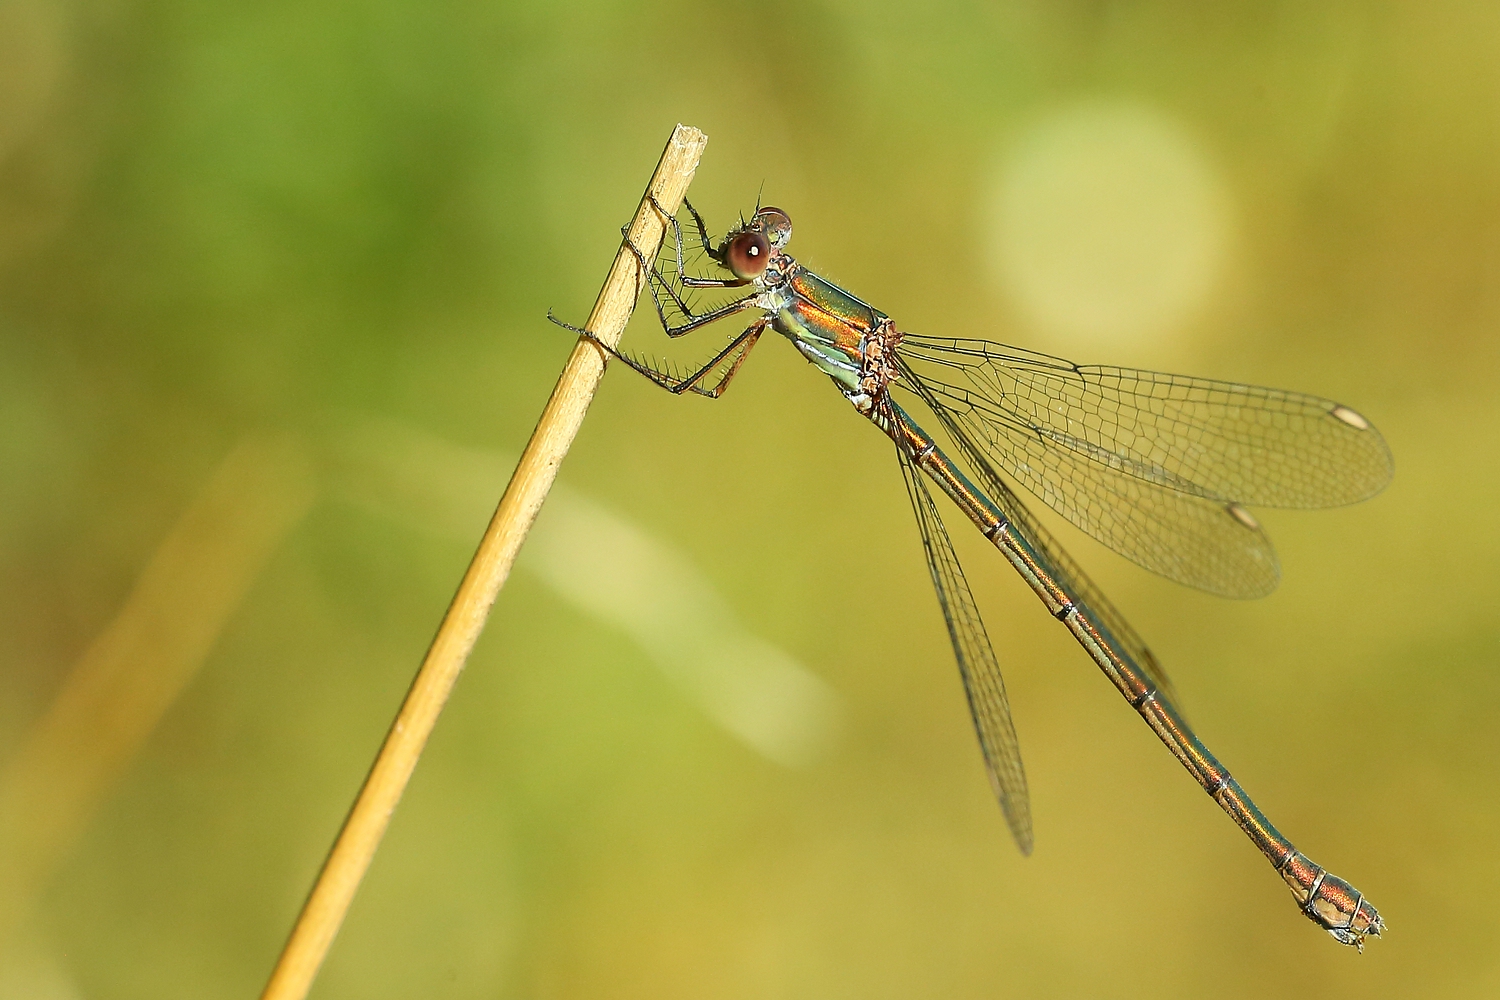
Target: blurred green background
{"x": 305, "y": 252}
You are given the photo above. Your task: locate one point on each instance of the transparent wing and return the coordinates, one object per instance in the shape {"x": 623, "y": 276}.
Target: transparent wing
{"x": 976, "y": 660}
{"x": 1060, "y": 566}
{"x": 1238, "y": 443}
{"x": 1204, "y": 542}
{"x": 1156, "y": 466}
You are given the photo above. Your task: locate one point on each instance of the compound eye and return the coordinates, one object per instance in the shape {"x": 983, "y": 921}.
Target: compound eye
{"x": 748, "y": 255}
{"x": 776, "y": 224}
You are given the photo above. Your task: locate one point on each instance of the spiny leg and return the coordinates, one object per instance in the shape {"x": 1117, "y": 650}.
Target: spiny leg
{"x": 688, "y": 280}
{"x": 702, "y": 229}
{"x": 694, "y": 321}
{"x": 692, "y": 281}
{"x": 712, "y": 316}
{"x": 748, "y": 339}
{"x": 739, "y": 349}
{"x": 644, "y": 271}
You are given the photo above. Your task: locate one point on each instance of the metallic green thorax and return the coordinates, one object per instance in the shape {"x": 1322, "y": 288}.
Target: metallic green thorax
{"x": 824, "y": 322}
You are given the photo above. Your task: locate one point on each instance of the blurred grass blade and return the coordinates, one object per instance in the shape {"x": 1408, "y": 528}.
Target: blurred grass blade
{"x": 621, "y": 575}
{"x": 132, "y": 673}
{"x": 612, "y": 570}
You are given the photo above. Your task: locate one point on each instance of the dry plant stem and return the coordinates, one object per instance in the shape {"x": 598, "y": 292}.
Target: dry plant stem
{"x": 347, "y": 862}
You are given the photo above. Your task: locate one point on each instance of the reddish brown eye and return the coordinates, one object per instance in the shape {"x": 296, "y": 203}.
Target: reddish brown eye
{"x": 748, "y": 255}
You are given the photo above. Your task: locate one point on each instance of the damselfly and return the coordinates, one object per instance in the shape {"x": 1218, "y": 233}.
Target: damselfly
{"x": 1161, "y": 468}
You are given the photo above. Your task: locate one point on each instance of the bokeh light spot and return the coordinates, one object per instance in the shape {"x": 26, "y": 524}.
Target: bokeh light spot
{"x": 1108, "y": 224}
